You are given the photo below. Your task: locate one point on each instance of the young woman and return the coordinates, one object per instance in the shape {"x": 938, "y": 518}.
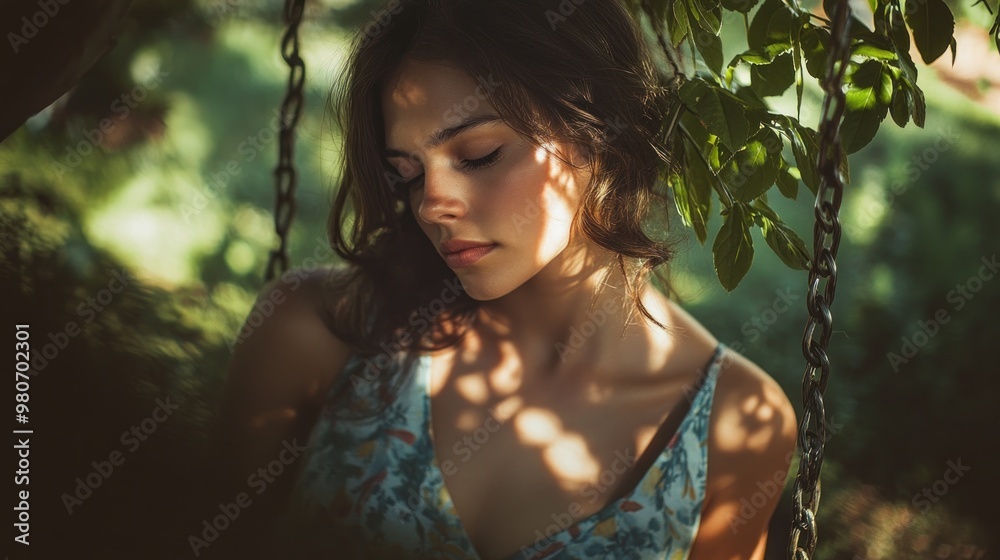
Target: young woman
{"x": 494, "y": 373}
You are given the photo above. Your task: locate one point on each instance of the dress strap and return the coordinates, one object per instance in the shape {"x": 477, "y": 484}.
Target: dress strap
{"x": 668, "y": 429}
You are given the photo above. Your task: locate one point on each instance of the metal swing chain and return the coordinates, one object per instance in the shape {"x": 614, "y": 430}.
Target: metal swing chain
{"x": 291, "y": 108}
{"x": 826, "y": 241}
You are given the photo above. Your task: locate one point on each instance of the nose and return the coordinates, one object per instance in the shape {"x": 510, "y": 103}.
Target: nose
{"x": 442, "y": 198}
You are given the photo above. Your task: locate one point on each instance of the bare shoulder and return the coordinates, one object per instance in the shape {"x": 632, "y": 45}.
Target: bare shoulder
{"x": 283, "y": 360}
{"x": 752, "y": 436}
{"x": 751, "y": 412}
{"x": 284, "y": 349}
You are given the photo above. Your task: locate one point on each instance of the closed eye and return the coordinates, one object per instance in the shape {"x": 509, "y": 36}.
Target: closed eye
{"x": 469, "y": 164}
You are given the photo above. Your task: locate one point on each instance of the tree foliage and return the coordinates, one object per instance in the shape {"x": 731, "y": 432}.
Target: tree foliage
{"x": 729, "y": 140}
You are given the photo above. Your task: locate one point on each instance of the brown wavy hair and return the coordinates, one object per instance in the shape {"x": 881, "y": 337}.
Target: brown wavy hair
{"x": 583, "y": 77}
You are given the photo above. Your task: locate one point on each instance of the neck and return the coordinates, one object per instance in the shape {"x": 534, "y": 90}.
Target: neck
{"x": 575, "y": 318}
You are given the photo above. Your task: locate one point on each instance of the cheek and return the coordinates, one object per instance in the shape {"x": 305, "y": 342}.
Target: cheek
{"x": 529, "y": 197}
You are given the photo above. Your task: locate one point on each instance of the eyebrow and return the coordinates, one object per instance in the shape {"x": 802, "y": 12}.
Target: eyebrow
{"x": 443, "y": 135}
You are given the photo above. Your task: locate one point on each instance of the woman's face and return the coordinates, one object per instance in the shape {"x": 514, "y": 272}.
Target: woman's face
{"x": 478, "y": 180}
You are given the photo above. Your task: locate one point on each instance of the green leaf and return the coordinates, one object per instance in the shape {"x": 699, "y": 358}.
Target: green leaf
{"x": 742, "y": 6}
{"x": 814, "y": 41}
{"x": 751, "y": 98}
{"x": 757, "y": 34}
{"x": 780, "y": 238}
{"x": 871, "y": 51}
{"x": 788, "y": 184}
{"x": 694, "y": 127}
{"x": 806, "y": 153}
{"x": 750, "y": 57}
{"x": 867, "y": 104}
{"x": 774, "y": 78}
{"x": 797, "y": 59}
{"x": 733, "y": 247}
{"x": 863, "y": 11}
{"x": 881, "y": 12}
{"x": 915, "y": 102}
{"x": 679, "y": 25}
{"x": 899, "y": 108}
{"x": 718, "y": 155}
{"x": 754, "y": 168}
{"x": 721, "y": 112}
{"x": 870, "y": 85}
{"x": 707, "y": 18}
{"x": 933, "y": 27}
{"x": 710, "y": 47}
{"x": 901, "y": 43}
{"x": 693, "y": 195}
{"x": 770, "y": 33}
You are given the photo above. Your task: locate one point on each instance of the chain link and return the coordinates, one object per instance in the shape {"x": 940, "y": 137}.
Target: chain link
{"x": 291, "y": 108}
{"x": 826, "y": 241}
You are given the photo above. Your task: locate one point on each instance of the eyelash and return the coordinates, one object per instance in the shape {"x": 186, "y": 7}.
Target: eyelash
{"x": 471, "y": 165}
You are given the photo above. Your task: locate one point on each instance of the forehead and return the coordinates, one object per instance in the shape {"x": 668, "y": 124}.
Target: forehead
{"x": 426, "y": 96}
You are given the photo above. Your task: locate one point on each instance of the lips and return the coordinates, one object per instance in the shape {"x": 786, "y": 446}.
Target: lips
{"x": 467, "y": 257}
{"x": 457, "y": 245}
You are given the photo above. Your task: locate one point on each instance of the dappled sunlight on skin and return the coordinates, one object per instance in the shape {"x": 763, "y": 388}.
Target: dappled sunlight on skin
{"x": 757, "y": 418}
{"x": 569, "y": 459}
{"x": 473, "y": 389}
{"x": 409, "y": 95}
{"x": 506, "y": 380}
{"x": 565, "y": 418}
{"x": 537, "y": 426}
{"x": 751, "y": 451}
{"x": 596, "y": 392}
{"x": 468, "y": 420}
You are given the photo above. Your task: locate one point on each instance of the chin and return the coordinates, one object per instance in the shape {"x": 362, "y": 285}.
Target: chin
{"x": 480, "y": 291}
{"x": 484, "y": 285}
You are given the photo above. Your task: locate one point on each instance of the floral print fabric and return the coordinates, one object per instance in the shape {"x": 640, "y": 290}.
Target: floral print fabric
{"x": 371, "y": 487}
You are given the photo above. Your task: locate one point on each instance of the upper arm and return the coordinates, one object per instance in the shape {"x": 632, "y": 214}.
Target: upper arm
{"x": 283, "y": 361}
{"x": 751, "y": 442}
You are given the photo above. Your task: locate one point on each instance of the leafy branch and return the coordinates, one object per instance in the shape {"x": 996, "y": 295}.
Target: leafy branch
{"x": 730, "y": 142}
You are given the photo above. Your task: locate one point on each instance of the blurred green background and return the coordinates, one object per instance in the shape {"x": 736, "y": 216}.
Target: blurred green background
{"x": 176, "y": 198}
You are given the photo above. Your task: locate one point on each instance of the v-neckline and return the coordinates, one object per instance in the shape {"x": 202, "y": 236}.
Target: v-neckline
{"x": 448, "y": 503}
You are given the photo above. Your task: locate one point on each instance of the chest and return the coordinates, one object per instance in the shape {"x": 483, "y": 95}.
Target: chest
{"x": 523, "y": 462}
